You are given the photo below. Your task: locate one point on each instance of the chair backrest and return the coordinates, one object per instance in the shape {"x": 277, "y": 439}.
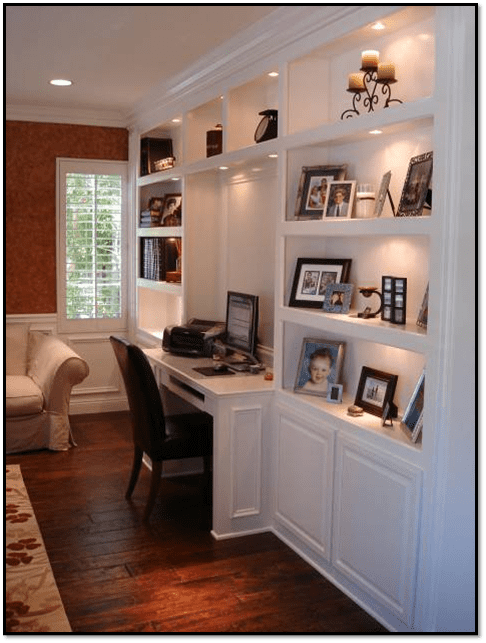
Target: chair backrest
{"x": 143, "y": 396}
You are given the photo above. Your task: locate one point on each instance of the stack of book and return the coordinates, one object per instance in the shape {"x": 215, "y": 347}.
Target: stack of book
{"x": 150, "y": 219}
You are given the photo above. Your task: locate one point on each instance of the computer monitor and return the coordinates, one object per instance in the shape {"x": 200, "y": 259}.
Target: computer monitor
{"x": 241, "y": 323}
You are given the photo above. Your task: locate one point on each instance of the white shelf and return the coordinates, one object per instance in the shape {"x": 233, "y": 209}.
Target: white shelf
{"x": 160, "y": 231}
{"x": 160, "y": 286}
{"x": 406, "y": 337}
{"x": 337, "y": 415}
{"x": 160, "y": 177}
{"x": 398, "y": 119}
{"x": 381, "y": 226}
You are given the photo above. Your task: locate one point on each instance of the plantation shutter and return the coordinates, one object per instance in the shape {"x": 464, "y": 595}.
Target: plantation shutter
{"x": 92, "y": 207}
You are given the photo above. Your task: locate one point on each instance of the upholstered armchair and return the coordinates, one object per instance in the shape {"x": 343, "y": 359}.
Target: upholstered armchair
{"x": 40, "y": 373}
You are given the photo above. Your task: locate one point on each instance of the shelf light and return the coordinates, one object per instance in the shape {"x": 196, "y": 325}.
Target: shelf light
{"x": 273, "y": 156}
{"x": 378, "y": 26}
{"x": 60, "y": 82}
{"x": 176, "y": 178}
{"x": 376, "y": 131}
{"x": 273, "y": 74}
{"x": 223, "y": 167}
{"x": 176, "y": 120}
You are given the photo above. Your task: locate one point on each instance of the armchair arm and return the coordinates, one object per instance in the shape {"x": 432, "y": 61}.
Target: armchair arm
{"x": 55, "y": 368}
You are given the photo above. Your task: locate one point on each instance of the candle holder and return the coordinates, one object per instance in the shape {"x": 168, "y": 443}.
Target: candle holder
{"x": 367, "y": 291}
{"x": 371, "y": 98}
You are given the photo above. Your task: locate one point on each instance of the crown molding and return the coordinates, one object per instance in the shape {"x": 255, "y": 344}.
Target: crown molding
{"x": 247, "y": 54}
{"x": 68, "y": 115}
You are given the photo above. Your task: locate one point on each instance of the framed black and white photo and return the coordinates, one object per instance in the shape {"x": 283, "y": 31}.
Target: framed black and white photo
{"x": 311, "y": 278}
{"x": 382, "y": 194}
{"x": 424, "y": 310}
{"x": 412, "y": 419}
{"x": 340, "y": 199}
{"x": 312, "y": 191}
{"x": 337, "y": 298}
{"x": 319, "y": 366}
{"x": 335, "y": 393}
{"x": 416, "y": 186}
{"x": 172, "y": 213}
{"x": 375, "y": 390}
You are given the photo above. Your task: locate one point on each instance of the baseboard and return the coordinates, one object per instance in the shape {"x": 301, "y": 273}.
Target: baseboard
{"x": 83, "y": 407}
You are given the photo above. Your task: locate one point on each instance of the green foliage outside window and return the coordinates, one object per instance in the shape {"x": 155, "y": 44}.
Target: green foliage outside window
{"x": 93, "y": 246}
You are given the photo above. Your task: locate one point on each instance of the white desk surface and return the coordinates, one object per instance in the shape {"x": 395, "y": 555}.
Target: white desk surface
{"x": 217, "y": 385}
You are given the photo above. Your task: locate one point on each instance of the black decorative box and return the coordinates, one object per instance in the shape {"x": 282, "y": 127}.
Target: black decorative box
{"x": 151, "y": 151}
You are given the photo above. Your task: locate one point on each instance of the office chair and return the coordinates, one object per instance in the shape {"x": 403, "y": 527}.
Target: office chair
{"x": 160, "y": 437}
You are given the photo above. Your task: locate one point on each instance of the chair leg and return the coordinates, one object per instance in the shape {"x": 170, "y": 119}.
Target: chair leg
{"x": 137, "y": 464}
{"x": 154, "y": 487}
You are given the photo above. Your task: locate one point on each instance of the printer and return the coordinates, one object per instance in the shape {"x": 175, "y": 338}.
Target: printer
{"x": 194, "y": 339}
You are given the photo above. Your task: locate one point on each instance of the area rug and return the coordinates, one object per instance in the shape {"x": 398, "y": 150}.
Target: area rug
{"x": 33, "y": 603}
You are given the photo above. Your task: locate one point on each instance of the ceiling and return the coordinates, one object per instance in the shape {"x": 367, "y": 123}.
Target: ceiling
{"x": 114, "y": 54}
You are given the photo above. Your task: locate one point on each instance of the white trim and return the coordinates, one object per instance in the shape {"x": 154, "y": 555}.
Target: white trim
{"x": 68, "y": 115}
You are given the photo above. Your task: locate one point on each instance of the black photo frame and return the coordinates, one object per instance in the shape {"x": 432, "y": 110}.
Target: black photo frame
{"x": 312, "y": 191}
{"x": 375, "y": 390}
{"x": 311, "y": 278}
{"x": 416, "y": 186}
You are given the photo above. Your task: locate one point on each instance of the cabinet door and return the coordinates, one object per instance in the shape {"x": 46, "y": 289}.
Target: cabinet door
{"x": 376, "y": 516}
{"x": 304, "y": 482}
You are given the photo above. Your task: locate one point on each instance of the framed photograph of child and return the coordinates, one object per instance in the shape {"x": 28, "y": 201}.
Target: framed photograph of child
{"x": 375, "y": 390}
{"x": 337, "y": 298}
{"x": 416, "y": 186}
{"x": 339, "y": 199}
{"x": 311, "y": 278}
{"x": 320, "y": 366}
{"x": 312, "y": 190}
{"x": 412, "y": 419}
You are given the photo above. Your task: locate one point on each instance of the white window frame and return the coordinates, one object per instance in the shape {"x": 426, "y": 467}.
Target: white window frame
{"x": 88, "y": 166}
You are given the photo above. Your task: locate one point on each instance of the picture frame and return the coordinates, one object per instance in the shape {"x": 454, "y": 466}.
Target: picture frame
{"x": 337, "y": 298}
{"x": 312, "y": 190}
{"x": 339, "y": 199}
{"x": 172, "y": 211}
{"x": 423, "y": 316}
{"x": 382, "y": 194}
{"x": 375, "y": 390}
{"x": 311, "y": 278}
{"x": 416, "y": 186}
{"x": 320, "y": 366}
{"x": 335, "y": 394}
{"x": 412, "y": 419}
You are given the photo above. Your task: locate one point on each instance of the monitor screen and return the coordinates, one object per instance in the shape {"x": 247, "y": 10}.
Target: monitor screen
{"x": 241, "y": 322}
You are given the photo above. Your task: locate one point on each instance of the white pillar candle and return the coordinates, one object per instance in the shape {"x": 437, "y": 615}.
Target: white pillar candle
{"x": 356, "y": 80}
{"x": 369, "y": 59}
{"x": 386, "y": 71}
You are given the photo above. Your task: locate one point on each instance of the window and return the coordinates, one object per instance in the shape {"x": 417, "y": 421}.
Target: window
{"x": 91, "y": 244}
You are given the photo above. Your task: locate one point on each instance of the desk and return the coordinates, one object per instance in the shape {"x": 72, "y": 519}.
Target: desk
{"x": 241, "y": 407}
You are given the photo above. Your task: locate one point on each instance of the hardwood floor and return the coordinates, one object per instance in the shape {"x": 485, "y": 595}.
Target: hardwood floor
{"x": 117, "y": 575}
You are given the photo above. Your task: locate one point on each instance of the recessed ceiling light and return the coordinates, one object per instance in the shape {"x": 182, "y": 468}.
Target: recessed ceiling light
{"x": 376, "y": 131}
{"x": 61, "y": 82}
{"x": 378, "y": 26}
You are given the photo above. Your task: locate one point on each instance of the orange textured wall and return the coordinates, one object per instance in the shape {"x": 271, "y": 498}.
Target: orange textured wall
{"x": 30, "y": 203}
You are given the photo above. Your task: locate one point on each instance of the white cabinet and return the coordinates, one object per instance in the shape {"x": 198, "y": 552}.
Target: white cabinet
{"x": 304, "y": 477}
{"x": 333, "y": 475}
{"x": 376, "y": 519}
